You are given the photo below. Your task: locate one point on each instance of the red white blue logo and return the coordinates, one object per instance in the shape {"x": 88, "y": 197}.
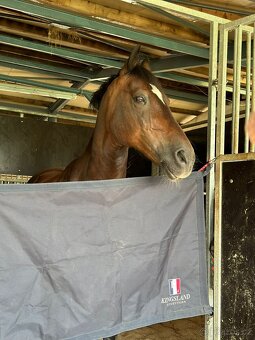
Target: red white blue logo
{"x": 174, "y": 286}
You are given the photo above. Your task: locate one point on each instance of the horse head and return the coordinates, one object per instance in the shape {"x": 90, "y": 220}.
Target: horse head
{"x": 138, "y": 115}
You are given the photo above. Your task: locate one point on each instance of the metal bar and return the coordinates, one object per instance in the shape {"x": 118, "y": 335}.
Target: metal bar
{"x": 207, "y": 6}
{"x": 211, "y": 135}
{"x": 185, "y": 96}
{"x": 43, "y": 112}
{"x": 183, "y": 79}
{"x": 236, "y": 89}
{"x": 192, "y": 80}
{"x": 32, "y": 65}
{"x": 184, "y": 23}
{"x": 59, "y": 51}
{"x": 217, "y": 251}
{"x": 17, "y": 88}
{"x": 204, "y": 123}
{"x": 220, "y": 146}
{"x": 179, "y": 9}
{"x": 252, "y": 147}
{"x": 36, "y": 84}
{"x": 175, "y": 62}
{"x": 73, "y": 20}
{"x": 60, "y": 103}
{"x": 231, "y": 25}
{"x": 221, "y": 109}
{"x": 248, "y": 88}
{"x": 51, "y": 75}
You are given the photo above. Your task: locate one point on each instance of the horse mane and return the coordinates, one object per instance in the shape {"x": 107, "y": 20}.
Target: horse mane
{"x": 98, "y": 95}
{"x": 138, "y": 71}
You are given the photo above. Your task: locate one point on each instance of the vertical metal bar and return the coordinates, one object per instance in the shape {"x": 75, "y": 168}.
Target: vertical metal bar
{"x": 248, "y": 88}
{"x": 211, "y": 135}
{"x": 252, "y": 148}
{"x": 222, "y": 80}
{"x": 236, "y": 89}
{"x": 217, "y": 251}
{"x": 220, "y": 146}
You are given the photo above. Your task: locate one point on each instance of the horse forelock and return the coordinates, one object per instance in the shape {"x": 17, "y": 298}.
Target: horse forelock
{"x": 145, "y": 75}
{"x": 137, "y": 71}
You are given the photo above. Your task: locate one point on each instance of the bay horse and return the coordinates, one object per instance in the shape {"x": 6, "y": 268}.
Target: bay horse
{"x": 133, "y": 112}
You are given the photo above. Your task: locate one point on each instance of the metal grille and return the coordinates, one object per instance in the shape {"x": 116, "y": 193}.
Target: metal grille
{"x": 13, "y": 179}
{"x": 241, "y": 56}
{"x": 237, "y": 49}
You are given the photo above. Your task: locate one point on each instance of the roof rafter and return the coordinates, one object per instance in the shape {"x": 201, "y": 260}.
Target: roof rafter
{"x": 77, "y": 21}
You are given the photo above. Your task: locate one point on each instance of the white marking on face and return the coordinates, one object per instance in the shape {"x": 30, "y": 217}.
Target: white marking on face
{"x": 157, "y": 92}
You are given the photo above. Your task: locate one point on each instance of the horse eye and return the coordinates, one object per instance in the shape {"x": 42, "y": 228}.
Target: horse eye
{"x": 140, "y": 99}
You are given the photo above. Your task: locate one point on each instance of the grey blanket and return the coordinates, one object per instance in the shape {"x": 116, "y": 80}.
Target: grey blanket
{"x": 86, "y": 260}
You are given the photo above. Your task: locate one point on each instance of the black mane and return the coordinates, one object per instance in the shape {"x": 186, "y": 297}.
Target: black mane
{"x": 98, "y": 95}
{"x": 138, "y": 71}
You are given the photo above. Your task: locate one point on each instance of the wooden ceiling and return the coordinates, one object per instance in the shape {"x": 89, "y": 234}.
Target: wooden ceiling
{"x": 55, "y": 53}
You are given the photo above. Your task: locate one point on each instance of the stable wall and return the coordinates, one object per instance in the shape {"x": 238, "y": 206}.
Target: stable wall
{"x": 28, "y": 146}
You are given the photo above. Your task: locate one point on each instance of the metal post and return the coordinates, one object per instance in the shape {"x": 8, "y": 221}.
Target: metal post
{"x": 220, "y": 150}
{"x": 211, "y": 130}
{"x": 217, "y": 252}
{"x": 236, "y": 89}
{"x": 248, "y": 87}
{"x": 252, "y": 148}
{"x": 221, "y": 109}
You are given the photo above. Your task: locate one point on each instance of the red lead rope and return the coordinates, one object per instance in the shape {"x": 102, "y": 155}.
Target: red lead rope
{"x": 212, "y": 161}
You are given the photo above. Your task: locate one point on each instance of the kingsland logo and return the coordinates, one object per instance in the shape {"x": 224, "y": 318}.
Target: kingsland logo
{"x": 174, "y": 286}
{"x": 175, "y": 297}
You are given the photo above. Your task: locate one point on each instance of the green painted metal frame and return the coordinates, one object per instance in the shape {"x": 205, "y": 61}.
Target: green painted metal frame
{"x": 73, "y": 20}
{"x": 184, "y": 23}
{"x": 214, "y": 8}
{"x": 63, "y": 52}
{"x": 210, "y": 180}
{"x": 167, "y": 6}
{"x": 41, "y": 67}
{"x": 40, "y": 111}
{"x": 18, "y": 80}
{"x": 240, "y": 28}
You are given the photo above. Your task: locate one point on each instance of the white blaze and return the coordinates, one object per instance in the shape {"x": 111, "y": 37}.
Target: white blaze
{"x": 157, "y": 92}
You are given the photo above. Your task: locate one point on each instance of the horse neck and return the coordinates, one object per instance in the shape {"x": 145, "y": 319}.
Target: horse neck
{"x": 107, "y": 159}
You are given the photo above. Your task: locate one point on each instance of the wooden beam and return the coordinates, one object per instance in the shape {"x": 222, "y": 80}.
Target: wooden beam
{"x": 56, "y": 36}
{"x": 69, "y": 19}
{"x": 130, "y": 18}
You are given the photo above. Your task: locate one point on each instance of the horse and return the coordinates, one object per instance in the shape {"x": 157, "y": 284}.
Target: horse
{"x": 133, "y": 112}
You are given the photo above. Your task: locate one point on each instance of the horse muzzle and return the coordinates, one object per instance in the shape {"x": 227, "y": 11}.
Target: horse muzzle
{"x": 179, "y": 164}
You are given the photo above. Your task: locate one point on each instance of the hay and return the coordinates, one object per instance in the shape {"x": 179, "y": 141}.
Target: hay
{"x": 58, "y": 34}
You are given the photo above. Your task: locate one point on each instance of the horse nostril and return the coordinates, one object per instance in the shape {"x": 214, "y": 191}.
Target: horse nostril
{"x": 181, "y": 157}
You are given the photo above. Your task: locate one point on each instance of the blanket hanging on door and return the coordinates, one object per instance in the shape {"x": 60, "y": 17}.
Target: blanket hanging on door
{"x": 86, "y": 260}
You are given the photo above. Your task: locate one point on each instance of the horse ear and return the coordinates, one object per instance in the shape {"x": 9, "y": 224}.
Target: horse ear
{"x": 145, "y": 64}
{"x": 132, "y": 61}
